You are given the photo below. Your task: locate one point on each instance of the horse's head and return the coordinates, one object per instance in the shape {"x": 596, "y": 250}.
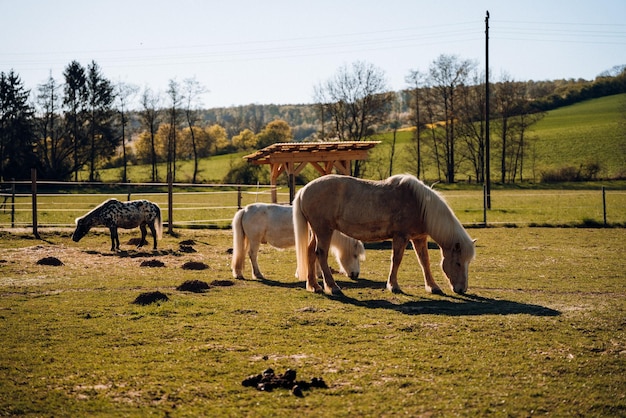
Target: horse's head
{"x": 350, "y": 257}
{"x": 82, "y": 228}
{"x": 455, "y": 265}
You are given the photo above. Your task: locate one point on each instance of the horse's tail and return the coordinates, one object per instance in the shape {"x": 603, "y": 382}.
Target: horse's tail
{"x": 301, "y": 233}
{"x": 158, "y": 223}
{"x": 240, "y": 245}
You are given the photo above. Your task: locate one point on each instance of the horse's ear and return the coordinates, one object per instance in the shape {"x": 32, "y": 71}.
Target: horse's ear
{"x": 474, "y": 241}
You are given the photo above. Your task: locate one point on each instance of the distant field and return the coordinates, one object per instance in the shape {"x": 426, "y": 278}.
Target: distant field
{"x": 583, "y": 133}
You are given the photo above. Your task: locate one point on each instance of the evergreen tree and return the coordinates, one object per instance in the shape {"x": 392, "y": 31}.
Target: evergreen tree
{"x": 75, "y": 101}
{"x": 102, "y": 140}
{"x": 16, "y": 128}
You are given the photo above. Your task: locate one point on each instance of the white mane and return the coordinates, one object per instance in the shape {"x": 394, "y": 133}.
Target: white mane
{"x": 446, "y": 230}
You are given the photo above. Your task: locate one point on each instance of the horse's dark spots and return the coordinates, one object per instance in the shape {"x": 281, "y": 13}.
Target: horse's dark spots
{"x": 113, "y": 214}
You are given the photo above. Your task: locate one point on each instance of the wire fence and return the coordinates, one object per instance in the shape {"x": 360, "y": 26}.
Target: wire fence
{"x": 58, "y": 204}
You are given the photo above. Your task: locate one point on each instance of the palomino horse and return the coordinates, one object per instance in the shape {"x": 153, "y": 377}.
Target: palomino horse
{"x": 114, "y": 214}
{"x": 400, "y": 208}
{"x": 262, "y": 223}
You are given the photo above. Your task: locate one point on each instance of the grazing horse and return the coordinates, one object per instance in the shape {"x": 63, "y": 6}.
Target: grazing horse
{"x": 114, "y": 214}
{"x": 400, "y": 208}
{"x": 262, "y": 223}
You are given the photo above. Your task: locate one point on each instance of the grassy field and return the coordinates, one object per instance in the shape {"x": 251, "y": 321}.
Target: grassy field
{"x": 541, "y": 331}
{"x": 585, "y": 133}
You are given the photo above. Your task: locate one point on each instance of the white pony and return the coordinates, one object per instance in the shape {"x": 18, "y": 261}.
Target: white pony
{"x": 400, "y": 208}
{"x": 262, "y": 223}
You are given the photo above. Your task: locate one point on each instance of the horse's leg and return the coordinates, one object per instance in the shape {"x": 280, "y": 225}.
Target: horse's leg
{"x": 144, "y": 233}
{"x": 311, "y": 280}
{"x": 420, "y": 246}
{"x": 253, "y": 253}
{"x": 115, "y": 241}
{"x": 323, "y": 245}
{"x": 398, "y": 246}
{"x": 154, "y": 234}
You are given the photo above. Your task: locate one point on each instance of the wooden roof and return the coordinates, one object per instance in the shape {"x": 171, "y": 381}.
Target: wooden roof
{"x": 311, "y": 151}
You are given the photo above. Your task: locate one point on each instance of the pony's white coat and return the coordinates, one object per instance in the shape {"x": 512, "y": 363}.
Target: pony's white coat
{"x": 400, "y": 208}
{"x": 262, "y": 223}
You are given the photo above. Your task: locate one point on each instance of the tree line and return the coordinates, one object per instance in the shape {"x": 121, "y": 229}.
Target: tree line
{"x": 87, "y": 122}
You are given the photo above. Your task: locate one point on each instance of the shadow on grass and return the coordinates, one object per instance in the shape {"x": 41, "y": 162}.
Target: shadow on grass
{"x": 132, "y": 253}
{"x": 466, "y": 305}
{"x": 450, "y": 305}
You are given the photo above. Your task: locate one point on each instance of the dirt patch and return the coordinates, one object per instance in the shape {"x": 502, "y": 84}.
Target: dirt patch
{"x": 268, "y": 381}
{"x": 196, "y": 286}
{"x": 152, "y": 263}
{"x": 186, "y": 249}
{"x": 50, "y": 261}
{"x": 195, "y": 265}
{"x": 150, "y": 297}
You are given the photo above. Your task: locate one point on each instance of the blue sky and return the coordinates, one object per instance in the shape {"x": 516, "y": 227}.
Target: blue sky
{"x": 276, "y": 51}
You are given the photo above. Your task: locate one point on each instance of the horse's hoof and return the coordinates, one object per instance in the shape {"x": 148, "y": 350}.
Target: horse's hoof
{"x": 394, "y": 289}
{"x": 335, "y": 291}
{"x": 437, "y": 291}
{"x": 317, "y": 289}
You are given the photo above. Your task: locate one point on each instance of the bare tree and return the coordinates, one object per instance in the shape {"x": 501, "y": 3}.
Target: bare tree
{"x": 54, "y": 147}
{"x": 193, "y": 92}
{"x": 472, "y": 123}
{"x": 124, "y": 92}
{"x": 355, "y": 101}
{"x": 173, "y": 118}
{"x": 395, "y": 123}
{"x": 416, "y": 80}
{"x": 150, "y": 115}
{"x": 447, "y": 73}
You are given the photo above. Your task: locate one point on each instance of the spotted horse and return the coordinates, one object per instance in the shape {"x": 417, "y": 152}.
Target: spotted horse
{"x": 114, "y": 214}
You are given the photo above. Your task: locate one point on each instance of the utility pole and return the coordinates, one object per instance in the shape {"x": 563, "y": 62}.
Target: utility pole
{"x": 487, "y": 99}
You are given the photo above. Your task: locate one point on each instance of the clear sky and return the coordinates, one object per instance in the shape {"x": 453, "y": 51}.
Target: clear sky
{"x": 276, "y": 51}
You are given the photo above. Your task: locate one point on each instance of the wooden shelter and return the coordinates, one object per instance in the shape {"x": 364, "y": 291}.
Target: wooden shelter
{"x": 291, "y": 158}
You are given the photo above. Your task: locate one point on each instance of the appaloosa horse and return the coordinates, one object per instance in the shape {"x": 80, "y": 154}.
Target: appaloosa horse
{"x": 114, "y": 214}
{"x": 400, "y": 208}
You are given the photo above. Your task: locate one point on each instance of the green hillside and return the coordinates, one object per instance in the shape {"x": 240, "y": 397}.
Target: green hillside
{"x": 580, "y": 134}
{"x": 587, "y": 132}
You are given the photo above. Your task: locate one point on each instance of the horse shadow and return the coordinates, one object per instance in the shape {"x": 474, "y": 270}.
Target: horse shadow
{"x": 131, "y": 253}
{"x": 448, "y": 305}
{"x": 456, "y": 305}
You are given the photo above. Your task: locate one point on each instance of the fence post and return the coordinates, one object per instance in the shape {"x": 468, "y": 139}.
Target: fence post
{"x": 485, "y": 204}
{"x": 33, "y": 176}
{"x": 604, "y": 204}
{"x": 13, "y": 203}
{"x": 170, "y": 204}
{"x": 238, "y": 197}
